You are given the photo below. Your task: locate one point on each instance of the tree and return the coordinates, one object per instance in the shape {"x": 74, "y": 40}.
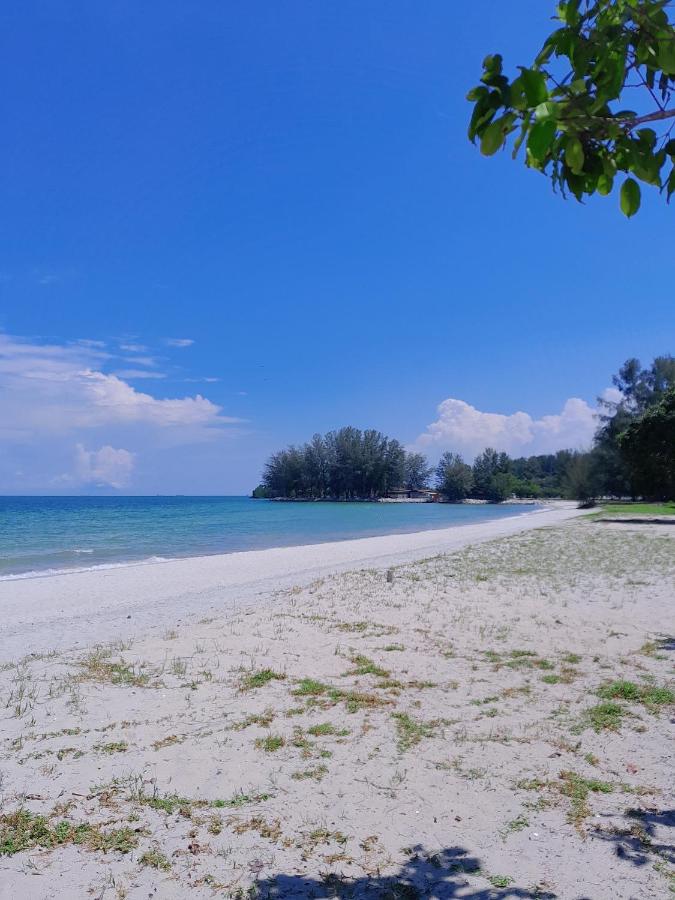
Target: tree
{"x": 488, "y": 464}
{"x": 454, "y": 478}
{"x": 648, "y": 447}
{"x": 499, "y": 488}
{"x": 639, "y": 389}
{"x": 345, "y": 464}
{"x": 569, "y": 106}
{"x": 417, "y": 471}
{"x": 580, "y": 480}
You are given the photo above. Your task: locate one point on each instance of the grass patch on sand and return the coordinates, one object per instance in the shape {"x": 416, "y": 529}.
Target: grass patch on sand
{"x": 263, "y": 719}
{"x": 260, "y": 678}
{"x": 606, "y": 716}
{"x": 23, "y": 830}
{"x": 575, "y": 788}
{"x": 270, "y": 743}
{"x": 327, "y": 729}
{"x": 647, "y": 694}
{"x": 112, "y": 747}
{"x": 155, "y": 860}
{"x": 315, "y": 774}
{"x": 365, "y": 666}
{"x": 98, "y": 667}
{"x": 324, "y": 695}
{"x": 411, "y": 731}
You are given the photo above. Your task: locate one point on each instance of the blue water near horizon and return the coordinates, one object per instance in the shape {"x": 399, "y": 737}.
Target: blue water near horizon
{"x": 43, "y": 535}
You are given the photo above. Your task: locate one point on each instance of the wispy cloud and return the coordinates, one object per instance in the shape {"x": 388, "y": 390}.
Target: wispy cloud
{"x": 179, "y": 342}
{"x": 55, "y": 397}
{"x": 462, "y": 428}
{"x": 133, "y": 348}
{"x": 131, "y": 374}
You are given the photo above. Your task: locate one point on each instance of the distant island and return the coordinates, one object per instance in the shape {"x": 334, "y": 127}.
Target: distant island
{"x": 354, "y": 465}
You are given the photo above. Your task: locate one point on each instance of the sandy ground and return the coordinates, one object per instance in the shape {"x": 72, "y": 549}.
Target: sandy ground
{"x": 491, "y": 722}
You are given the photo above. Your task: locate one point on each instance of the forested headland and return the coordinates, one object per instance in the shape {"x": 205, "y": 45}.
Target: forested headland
{"x": 633, "y": 455}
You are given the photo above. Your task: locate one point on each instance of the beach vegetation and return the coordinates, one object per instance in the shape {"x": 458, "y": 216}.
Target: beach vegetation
{"x": 310, "y": 687}
{"x": 411, "y": 731}
{"x": 97, "y": 666}
{"x": 260, "y": 678}
{"x": 167, "y": 741}
{"x": 315, "y": 773}
{"x": 365, "y": 666}
{"x": 592, "y": 110}
{"x": 647, "y": 694}
{"x": 500, "y": 881}
{"x": 155, "y": 860}
{"x": 327, "y": 729}
{"x": 606, "y": 716}
{"x": 23, "y": 830}
{"x": 112, "y": 747}
{"x": 263, "y": 719}
{"x": 270, "y": 743}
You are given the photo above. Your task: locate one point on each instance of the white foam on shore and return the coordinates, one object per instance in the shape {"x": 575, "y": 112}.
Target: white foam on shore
{"x": 74, "y": 570}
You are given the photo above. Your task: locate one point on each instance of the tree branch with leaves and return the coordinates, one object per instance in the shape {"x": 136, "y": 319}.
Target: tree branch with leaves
{"x": 568, "y": 110}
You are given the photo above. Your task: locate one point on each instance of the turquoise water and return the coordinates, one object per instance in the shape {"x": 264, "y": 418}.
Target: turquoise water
{"x": 41, "y": 534}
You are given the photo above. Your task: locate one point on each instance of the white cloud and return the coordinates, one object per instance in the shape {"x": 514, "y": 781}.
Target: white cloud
{"x": 138, "y": 373}
{"x": 462, "y": 428}
{"x": 54, "y": 398}
{"x": 105, "y": 467}
{"x": 179, "y": 342}
{"x": 133, "y": 348}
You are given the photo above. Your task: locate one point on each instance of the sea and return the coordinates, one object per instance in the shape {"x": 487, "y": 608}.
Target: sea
{"x": 48, "y": 535}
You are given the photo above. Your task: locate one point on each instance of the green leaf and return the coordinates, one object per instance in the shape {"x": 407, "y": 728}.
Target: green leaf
{"x": 493, "y": 138}
{"x": 547, "y": 110}
{"x": 574, "y": 155}
{"x": 541, "y": 138}
{"x": 670, "y": 147}
{"x": 534, "y": 85}
{"x": 666, "y": 55}
{"x": 605, "y": 184}
{"x": 630, "y": 197}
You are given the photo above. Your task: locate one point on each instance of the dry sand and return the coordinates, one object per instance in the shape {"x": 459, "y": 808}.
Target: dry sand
{"x": 432, "y": 730}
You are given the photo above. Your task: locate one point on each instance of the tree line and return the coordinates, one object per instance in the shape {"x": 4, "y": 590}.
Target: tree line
{"x": 633, "y": 455}
{"x": 350, "y": 464}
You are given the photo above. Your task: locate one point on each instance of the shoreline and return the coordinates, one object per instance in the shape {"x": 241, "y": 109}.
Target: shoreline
{"x": 531, "y": 508}
{"x": 93, "y": 605}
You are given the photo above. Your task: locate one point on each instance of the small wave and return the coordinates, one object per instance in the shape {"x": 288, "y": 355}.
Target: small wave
{"x": 79, "y": 550}
{"x": 75, "y": 570}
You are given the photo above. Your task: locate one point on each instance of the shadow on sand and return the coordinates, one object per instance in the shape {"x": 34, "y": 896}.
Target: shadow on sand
{"x": 638, "y": 841}
{"x": 440, "y": 875}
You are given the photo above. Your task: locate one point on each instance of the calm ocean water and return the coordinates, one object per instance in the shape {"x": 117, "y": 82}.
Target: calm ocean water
{"x": 43, "y": 534}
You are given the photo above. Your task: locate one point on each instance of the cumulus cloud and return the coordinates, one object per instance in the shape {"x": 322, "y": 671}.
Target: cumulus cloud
{"x": 55, "y": 399}
{"x": 462, "y": 428}
{"x": 105, "y": 467}
{"x": 179, "y": 342}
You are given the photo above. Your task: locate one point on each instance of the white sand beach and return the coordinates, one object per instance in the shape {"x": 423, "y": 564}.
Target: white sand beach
{"x": 481, "y": 712}
{"x": 40, "y": 613}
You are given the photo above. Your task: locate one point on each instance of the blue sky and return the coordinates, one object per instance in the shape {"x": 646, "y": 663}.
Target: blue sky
{"x": 289, "y": 187}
